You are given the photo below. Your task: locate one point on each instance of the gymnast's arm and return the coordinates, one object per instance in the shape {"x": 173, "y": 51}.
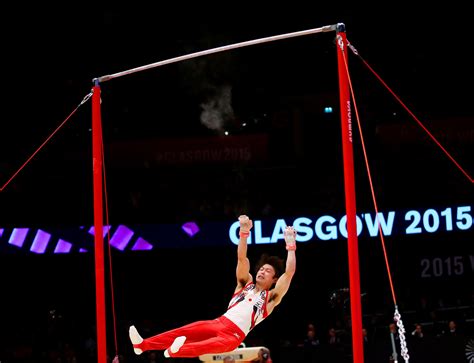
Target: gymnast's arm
{"x": 243, "y": 263}
{"x": 283, "y": 283}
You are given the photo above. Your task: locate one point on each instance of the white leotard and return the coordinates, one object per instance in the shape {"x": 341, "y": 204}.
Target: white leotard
{"x": 247, "y": 308}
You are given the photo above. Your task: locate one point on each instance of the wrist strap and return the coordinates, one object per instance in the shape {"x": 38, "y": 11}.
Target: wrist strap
{"x": 244, "y": 234}
{"x": 291, "y": 247}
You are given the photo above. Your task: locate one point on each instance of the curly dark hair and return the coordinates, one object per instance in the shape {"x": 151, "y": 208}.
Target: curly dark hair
{"x": 276, "y": 262}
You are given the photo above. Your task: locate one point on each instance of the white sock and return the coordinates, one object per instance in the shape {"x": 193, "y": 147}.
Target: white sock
{"x": 135, "y": 338}
{"x": 175, "y": 347}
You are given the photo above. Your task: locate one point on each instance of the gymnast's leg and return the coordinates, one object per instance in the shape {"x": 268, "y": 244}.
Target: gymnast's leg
{"x": 191, "y": 340}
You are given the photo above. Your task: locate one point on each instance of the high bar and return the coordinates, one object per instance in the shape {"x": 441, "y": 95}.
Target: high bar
{"x": 224, "y": 48}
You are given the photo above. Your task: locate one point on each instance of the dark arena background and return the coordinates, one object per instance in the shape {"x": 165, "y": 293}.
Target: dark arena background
{"x": 190, "y": 146}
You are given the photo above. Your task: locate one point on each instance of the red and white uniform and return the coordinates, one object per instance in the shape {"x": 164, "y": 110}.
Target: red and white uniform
{"x": 224, "y": 334}
{"x": 247, "y": 308}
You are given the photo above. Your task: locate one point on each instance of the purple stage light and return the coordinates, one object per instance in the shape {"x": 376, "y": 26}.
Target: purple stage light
{"x": 190, "y": 228}
{"x": 83, "y": 250}
{"x": 141, "y": 244}
{"x": 105, "y": 229}
{"x": 40, "y": 242}
{"x": 18, "y": 236}
{"x": 121, "y": 237}
{"x": 63, "y": 247}
{"x": 1, "y": 232}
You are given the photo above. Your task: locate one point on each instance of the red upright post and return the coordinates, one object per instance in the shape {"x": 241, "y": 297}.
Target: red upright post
{"x": 349, "y": 188}
{"x": 98, "y": 224}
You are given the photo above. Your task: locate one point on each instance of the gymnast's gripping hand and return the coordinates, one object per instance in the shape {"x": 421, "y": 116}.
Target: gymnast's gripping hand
{"x": 290, "y": 238}
{"x": 246, "y": 225}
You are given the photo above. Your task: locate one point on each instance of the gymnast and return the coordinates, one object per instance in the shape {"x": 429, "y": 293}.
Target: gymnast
{"x": 251, "y": 303}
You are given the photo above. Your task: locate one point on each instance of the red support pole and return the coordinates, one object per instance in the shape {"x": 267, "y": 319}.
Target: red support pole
{"x": 98, "y": 225}
{"x": 349, "y": 188}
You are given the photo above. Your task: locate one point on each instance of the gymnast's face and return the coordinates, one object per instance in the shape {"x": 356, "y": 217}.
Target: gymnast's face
{"x": 266, "y": 276}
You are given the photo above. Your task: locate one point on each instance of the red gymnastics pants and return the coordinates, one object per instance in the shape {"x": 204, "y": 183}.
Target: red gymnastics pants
{"x": 202, "y": 337}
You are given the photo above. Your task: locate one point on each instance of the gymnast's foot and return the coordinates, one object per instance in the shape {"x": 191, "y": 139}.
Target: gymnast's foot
{"x": 136, "y": 339}
{"x": 176, "y": 346}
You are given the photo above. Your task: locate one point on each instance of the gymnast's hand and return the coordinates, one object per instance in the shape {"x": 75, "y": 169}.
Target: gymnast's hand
{"x": 290, "y": 238}
{"x": 246, "y": 224}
